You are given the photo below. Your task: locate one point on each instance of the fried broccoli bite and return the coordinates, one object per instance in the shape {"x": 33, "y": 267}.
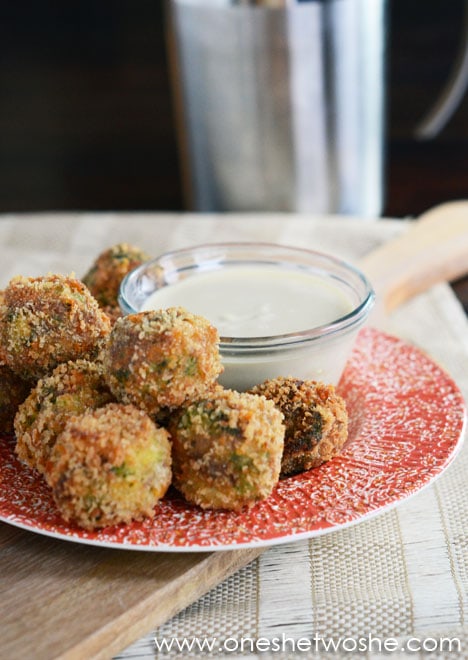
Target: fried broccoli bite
{"x": 105, "y": 275}
{"x": 2, "y": 338}
{"x": 315, "y": 418}
{"x": 13, "y": 391}
{"x": 161, "y": 359}
{"x": 227, "y": 450}
{"x": 49, "y": 320}
{"x": 71, "y": 389}
{"x": 109, "y": 466}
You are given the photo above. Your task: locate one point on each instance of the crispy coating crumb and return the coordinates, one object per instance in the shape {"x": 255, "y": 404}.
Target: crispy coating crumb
{"x": 113, "y": 313}
{"x": 49, "y": 320}
{"x": 315, "y": 418}
{"x": 161, "y": 359}
{"x": 109, "y": 466}
{"x": 227, "y": 450}
{"x": 13, "y": 391}
{"x": 105, "y": 275}
{"x": 71, "y": 389}
{"x": 3, "y": 311}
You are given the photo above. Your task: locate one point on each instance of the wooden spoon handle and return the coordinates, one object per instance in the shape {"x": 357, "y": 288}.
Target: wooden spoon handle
{"x": 434, "y": 249}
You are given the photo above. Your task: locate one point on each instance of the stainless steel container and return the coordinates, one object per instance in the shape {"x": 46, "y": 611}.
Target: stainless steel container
{"x": 281, "y": 104}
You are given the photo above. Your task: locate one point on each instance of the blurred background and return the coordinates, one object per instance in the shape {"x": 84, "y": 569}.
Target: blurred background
{"x": 87, "y": 122}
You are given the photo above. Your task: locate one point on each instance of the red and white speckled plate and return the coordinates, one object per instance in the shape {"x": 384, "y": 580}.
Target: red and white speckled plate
{"x": 407, "y": 419}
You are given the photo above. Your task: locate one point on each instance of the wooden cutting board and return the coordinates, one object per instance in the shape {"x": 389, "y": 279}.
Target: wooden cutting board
{"x": 64, "y": 600}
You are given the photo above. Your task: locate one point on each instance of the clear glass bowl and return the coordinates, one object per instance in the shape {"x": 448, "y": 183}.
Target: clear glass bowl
{"x": 318, "y": 353}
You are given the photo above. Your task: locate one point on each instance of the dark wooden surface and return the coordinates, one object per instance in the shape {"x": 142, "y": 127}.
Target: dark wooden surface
{"x": 424, "y": 42}
{"x": 86, "y": 116}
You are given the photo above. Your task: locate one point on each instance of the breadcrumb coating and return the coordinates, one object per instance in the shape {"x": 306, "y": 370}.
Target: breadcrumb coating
{"x": 105, "y": 275}
{"x": 49, "y": 320}
{"x": 113, "y": 313}
{"x": 13, "y": 391}
{"x": 109, "y": 466}
{"x": 227, "y": 449}
{"x": 161, "y": 359}
{"x": 3, "y": 311}
{"x": 72, "y": 388}
{"x": 315, "y": 418}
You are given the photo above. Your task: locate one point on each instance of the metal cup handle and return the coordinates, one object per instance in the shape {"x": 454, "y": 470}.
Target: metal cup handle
{"x": 452, "y": 94}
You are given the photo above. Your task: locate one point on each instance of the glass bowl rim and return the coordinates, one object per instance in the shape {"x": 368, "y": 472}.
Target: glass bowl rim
{"x": 232, "y": 345}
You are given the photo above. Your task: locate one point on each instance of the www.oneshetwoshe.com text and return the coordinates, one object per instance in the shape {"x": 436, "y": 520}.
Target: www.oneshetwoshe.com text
{"x": 314, "y": 644}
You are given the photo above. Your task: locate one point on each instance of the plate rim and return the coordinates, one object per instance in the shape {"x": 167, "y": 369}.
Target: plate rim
{"x": 281, "y": 538}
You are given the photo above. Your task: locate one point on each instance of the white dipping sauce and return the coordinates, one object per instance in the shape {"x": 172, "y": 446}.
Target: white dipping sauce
{"x": 263, "y": 301}
{"x": 255, "y": 301}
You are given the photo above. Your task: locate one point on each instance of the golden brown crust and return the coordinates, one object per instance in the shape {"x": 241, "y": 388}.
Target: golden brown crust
{"x": 315, "y": 418}
{"x": 2, "y": 337}
{"x": 105, "y": 275}
{"x": 13, "y": 391}
{"x": 113, "y": 313}
{"x": 109, "y": 466}
{"x": 49, "y": 320}
{"x": 161, "y": 359}
{"x": 72, "y": 388}
{"x": 227, "y": 449}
